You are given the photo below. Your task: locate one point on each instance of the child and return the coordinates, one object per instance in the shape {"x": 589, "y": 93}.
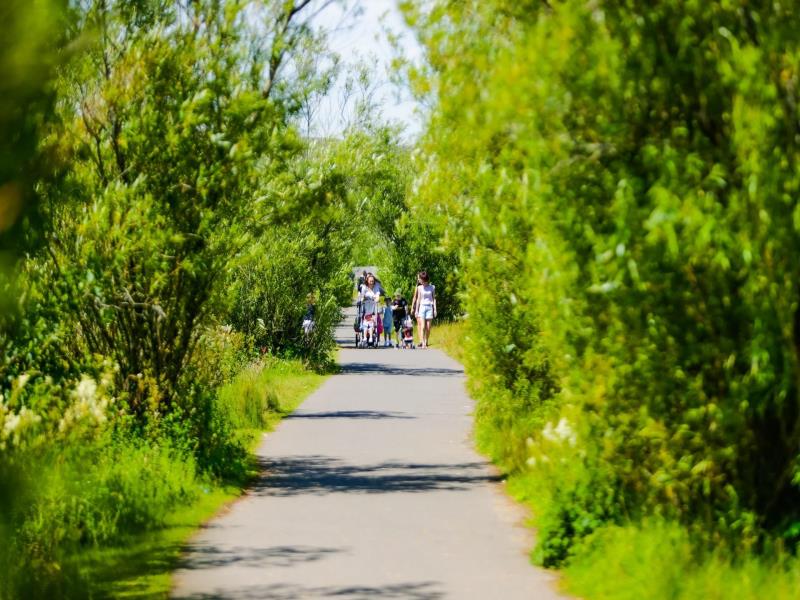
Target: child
{"x": 408, "y": 332}
{"x": 369, "y": 335}
{"x": 387, "y": 323}
{"x": 399, "y": 312}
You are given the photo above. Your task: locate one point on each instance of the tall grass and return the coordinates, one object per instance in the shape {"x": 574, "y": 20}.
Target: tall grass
{"x": 95, "y": 515}
{"x": 264, "y": 392}
{"x": 449, "y": 336}
{"x": 658, "y": 560}
{"x": 87, "y": 494}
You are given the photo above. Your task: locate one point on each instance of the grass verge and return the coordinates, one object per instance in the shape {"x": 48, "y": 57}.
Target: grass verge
{"x": 657, "y": 560}
{"x": 140, "y": 566}
{"x": 449, "y": 336}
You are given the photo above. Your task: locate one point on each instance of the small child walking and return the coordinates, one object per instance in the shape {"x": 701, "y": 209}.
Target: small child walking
{"x": 387, "y": 323}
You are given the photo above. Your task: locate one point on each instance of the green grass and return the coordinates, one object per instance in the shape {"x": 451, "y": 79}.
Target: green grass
{"x": 263, "y": 393}
{"x": 656, "y": 560}
{"x": 140, "y": 566}
{"x": 449, "y": 336}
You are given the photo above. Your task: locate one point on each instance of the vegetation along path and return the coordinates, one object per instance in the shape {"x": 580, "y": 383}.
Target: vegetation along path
{"x": 371, "y": 490}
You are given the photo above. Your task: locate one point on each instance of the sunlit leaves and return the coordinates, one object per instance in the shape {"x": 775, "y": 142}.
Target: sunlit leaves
{"x": 621, "y": 182}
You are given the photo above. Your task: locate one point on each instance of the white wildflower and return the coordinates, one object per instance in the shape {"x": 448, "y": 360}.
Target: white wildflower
{"x": 16, "y": 425}
{"x": 88, "y": 405}
{"x": 565, "y": 432}
{"x": 22, "y": 380}
{"x": 559, "y": 434}
{"x": 11, "y": 422}
{"x": 86, "y": 390}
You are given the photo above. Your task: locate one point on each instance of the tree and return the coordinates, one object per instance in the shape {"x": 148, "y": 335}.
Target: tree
{"x": 623, "y": 176}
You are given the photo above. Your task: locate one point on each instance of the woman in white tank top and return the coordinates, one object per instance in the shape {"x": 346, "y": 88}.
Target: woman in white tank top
{"x": 424, "y": 306}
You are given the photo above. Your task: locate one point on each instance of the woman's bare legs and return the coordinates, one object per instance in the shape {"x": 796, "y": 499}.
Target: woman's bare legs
{"x": 421, "y": 329}
{"x": 428, "y": 323}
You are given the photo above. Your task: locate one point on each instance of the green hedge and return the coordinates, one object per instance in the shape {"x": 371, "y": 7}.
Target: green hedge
{"x": 621, "y": 180}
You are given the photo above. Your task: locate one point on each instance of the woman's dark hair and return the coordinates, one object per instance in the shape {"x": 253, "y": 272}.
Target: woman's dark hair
{"x": 423, "y": 276}
{"x": 366, "y": 279}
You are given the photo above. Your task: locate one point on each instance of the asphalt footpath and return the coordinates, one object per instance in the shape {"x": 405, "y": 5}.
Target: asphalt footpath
{"x": 371, "y": 489}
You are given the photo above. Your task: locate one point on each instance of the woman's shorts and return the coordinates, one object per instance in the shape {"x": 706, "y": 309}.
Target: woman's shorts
{"x": 426, "y": 312}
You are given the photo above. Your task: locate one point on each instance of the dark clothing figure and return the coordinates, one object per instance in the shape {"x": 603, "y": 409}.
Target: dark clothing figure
{"x": 399, "y": 311}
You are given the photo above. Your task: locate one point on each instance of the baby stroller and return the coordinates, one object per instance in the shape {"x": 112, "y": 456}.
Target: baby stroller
{"x": 408, "y": 332}
{"x": 369, "y": 331}
{"x": 366, "y": 327}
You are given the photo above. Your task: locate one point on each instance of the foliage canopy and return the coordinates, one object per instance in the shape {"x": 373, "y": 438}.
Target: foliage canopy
{"x": 622, "y": 179}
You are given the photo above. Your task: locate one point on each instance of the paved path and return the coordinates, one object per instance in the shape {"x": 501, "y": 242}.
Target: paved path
{"x": 372, "y": 489}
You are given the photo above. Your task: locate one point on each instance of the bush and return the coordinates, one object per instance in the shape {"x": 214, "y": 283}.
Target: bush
{"x": 160, "y": 218}
{"x": 80, "y": 493}
{"x": 620, "y": 184}
{"x": 270, "y": 297}
{"x": 103, "y": 482}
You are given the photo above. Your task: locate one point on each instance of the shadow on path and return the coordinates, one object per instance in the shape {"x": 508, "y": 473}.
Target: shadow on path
{"x": 377, "y": 368}
{"x": 320, "y": 475}
{"x": 203, "y": 557}
{"x": 350, "y": 414}
{"x": 425, "y": 590}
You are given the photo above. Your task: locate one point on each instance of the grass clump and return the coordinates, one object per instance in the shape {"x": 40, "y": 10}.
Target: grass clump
{"x": 106, "y": 512}
{"x": 449, "y": 336}
{"x": 264, "y": 392}
{"x": 657, "y": 559}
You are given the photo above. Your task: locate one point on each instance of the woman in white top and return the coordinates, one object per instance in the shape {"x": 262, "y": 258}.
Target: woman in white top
{"x": 424, "y": 306}
{"x": 370, "y": 297}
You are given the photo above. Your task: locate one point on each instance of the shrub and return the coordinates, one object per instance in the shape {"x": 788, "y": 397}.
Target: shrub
{"x": 619, "y": 182}
{"x": 81, "y": 492}
{"x": 269, "y": 296}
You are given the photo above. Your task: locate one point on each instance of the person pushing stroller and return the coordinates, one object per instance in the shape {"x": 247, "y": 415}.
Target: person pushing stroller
{"x": 369, "y": 299}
